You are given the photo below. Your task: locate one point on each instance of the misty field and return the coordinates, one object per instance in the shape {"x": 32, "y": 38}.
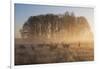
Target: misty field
{"x": 52, "y": 35}
{"x": 41, "y": 53}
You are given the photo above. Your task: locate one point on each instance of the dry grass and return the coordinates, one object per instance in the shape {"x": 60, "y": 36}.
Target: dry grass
{"x": 52, "y": 53}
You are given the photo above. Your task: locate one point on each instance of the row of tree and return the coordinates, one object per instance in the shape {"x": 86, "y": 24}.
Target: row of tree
{"x": 49, "y": 24}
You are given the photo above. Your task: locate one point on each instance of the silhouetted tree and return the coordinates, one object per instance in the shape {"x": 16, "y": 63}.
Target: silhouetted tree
{"x": 49, "y": 24}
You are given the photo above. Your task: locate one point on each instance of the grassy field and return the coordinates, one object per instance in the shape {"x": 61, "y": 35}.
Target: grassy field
{"x": 41, "y": 53}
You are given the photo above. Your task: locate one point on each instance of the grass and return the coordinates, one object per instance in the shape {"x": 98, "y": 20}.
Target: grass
{"x": 52, "y": 53}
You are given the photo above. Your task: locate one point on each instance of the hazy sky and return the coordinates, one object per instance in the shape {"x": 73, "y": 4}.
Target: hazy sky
{"x": 24, "y": 11}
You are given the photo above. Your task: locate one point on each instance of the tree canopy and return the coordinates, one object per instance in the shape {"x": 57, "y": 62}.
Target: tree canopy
{"x": 48, "y": 25}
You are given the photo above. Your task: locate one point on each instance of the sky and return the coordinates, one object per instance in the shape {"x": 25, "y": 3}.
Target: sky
{"x": 23, "y": 11}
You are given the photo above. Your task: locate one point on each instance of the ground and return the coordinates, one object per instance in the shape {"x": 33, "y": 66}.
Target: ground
{"x": 41, "y": 53}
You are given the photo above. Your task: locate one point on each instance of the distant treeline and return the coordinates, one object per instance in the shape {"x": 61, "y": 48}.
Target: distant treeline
{"x": 49, "y": 24}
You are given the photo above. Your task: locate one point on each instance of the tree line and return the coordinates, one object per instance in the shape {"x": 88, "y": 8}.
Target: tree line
{"x": 49, "y": 24}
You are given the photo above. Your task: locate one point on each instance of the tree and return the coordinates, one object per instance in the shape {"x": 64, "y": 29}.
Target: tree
{"x": 48, "y": 25}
